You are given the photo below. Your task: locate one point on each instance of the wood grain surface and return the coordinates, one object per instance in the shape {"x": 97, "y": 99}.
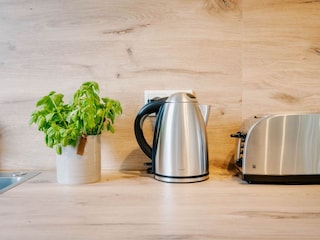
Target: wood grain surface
{"x": 130, "y": 205}
{"x": 281, "y": 57}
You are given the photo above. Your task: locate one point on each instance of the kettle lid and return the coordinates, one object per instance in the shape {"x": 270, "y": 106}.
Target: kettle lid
{"x": 181, "y": 97}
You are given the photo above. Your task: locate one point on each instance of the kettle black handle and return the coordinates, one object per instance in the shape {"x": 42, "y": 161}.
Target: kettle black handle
{"x": 151, "y": 107}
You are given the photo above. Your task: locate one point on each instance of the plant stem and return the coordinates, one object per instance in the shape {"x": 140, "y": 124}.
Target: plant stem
{"x": 102, "y": 122}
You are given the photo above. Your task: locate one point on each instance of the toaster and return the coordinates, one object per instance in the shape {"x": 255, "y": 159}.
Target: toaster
{"x": 279, "y": 148}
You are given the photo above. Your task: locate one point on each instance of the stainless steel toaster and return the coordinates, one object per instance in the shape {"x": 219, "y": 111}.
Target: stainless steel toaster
{"x": 279, "y": 148}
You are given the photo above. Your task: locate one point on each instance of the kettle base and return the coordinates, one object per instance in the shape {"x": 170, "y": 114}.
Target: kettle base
{"x": 182, "y": 179}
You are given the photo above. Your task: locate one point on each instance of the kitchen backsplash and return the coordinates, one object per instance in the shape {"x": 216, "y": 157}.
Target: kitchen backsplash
{"x": 242, "y": 57}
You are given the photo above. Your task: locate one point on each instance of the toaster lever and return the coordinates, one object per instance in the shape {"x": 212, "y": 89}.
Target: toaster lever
{"x": 239, "y": 162}
{"x": 238, "y": 135}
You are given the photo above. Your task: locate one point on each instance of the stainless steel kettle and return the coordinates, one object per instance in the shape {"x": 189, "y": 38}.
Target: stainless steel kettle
{"x": 180, "y": 151}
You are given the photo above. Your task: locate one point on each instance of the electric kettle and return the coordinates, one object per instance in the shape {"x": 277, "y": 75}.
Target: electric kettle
{"x": 179, "y": 152}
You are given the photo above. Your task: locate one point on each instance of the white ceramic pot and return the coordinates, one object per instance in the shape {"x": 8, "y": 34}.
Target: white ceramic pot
{"x": 79, "y": 169}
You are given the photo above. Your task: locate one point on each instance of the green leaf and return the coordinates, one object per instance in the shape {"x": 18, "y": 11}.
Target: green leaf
{"x": 58, "y": 149}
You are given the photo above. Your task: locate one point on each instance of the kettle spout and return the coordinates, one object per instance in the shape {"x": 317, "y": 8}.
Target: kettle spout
{"x": 205, "y": 111}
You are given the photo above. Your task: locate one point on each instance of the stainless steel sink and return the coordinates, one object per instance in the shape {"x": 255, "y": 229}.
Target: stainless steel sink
{"x": 10, "y": 180}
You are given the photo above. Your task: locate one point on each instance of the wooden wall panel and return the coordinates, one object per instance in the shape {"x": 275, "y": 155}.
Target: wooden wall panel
{"x": 126, "y": 46}
{"x": 281, "y": 42}
{"x": 242, "y": 57}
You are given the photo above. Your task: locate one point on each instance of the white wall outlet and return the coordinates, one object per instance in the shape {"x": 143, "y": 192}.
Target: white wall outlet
{"x": 150, "y": 94}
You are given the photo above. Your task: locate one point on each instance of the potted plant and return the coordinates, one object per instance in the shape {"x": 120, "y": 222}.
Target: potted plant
{"x": 74, "y": 130}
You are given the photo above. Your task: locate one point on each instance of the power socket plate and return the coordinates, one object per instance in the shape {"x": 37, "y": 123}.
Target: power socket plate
{"x": 151, "y": 94}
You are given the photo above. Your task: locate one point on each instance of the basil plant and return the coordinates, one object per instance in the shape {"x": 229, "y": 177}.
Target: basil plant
{"x": 86, "y": 114}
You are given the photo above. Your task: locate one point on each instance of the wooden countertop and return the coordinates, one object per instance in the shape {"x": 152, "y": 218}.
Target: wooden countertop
{"x": 133, "y": 206}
